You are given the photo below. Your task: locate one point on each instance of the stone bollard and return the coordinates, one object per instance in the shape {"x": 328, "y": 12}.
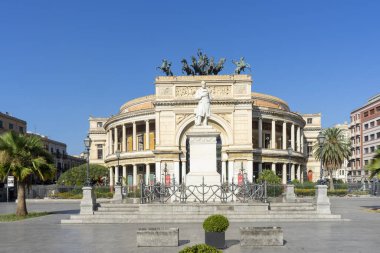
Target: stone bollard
{"x": 88, "y": 202}
{"x": 118, "y": 194}
{"x": 323, "y": 202}
{"x": 290, "y": 196}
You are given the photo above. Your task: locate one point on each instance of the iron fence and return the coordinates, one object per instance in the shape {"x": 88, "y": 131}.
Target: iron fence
{"x": 203, "y": 193}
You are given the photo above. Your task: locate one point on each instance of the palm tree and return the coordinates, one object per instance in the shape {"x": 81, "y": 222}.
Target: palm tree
{"x": 334, "y": 151}
{"x": 24, "y": 156}
{"x": 374, "y": 166}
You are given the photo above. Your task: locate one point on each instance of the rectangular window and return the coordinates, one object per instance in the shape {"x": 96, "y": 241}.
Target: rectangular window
{"x": 378, "y": 109}
{"x": 100, "y": 151}
{"x": 140, "y": 141}
{"x": 372, "y": 124}
{"x": 10, "y": 126}
{"x": 21, "y": 129}
{"x": 1, "y": 124}
{"x": 366, "y": 114}
{"x": 309, "y": 120}
{"x": 365, "y": 162}
{"x": 372, "y": 149}
{"x": 378, "y": 122}
{"x": 366, "y": 126}
{"x": 366, "y": 151}
{"x": 99, "y": 124}
{"x": 372, "y": 137}
{"x": 378, "y": 135}
{"x": 372, "y": 111}
{"x": 366, "y": 138}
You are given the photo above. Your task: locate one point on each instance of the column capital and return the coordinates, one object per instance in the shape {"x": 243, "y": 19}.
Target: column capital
{"x": 147, "y": 121}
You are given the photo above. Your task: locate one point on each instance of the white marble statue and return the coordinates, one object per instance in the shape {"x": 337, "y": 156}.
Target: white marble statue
{"x": 203, "y": 109}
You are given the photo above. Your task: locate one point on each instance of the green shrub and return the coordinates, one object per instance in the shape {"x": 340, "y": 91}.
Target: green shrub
{"x": 77, "y": 176}
{"x": 216, "y": 223}
{"x": 339, "y": 192}
{"x": 134, "y": 194}
{"x": 105, "y": 195}
{"x": 305, "y": 185}
{"x": 304, "y": 192}
{"x": 66, "y": 195}
{"x": 295, "y": 181}
{"x": 359, "y": 193}
{"x": 274, "y": 190}
{"x": 269, "y": 176}
{"x": 200, "y": 248}
{"x": 341, "y": 186}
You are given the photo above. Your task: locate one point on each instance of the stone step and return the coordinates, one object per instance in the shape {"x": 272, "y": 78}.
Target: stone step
{"x": 143, "y": 221}
{"x": 117, "y": 209}
{"x": 294, "y": 208}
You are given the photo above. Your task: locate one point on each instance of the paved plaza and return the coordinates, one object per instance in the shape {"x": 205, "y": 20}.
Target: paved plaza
{"x": 359, "y": 232}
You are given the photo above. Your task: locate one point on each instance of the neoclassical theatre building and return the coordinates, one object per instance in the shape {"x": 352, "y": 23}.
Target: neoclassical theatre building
{"x": 255, "y": 132}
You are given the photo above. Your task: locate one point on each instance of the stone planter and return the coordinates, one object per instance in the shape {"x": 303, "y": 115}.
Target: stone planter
{"x": 216, "y": 239}
{"x": 261, "y": 236}
{"x": 157, "y": 237}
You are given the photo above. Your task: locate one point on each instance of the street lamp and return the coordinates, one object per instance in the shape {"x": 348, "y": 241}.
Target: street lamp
{"x": 321, "y": 140}
{"x": 87, "y": 144}
{"x": 290, "y": 152}
{"x": 117, "y": 153}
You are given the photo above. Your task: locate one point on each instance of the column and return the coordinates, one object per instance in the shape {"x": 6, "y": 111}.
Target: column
{"x": 110, "y": 144}
{"x": 147, "y": 135}
{"x": 273, "y": 135}
{"x": 116, "y": 140}
{"x": 299, "y": 139}
{"x": 147, "y": 166}
{"x": 107, "y": 141}
{"x": 284, "y": 173}
{"x": 124, "y": 140}
{"x": 292, "y": 137}
{"x": 125, "y": 175}
{"x": 302, "y": 149}
{"x": 250, "y": 170}
{"x": 224, "y": 168}
{"x": 284, "y": 141}
{"x": 134, "y": 141}
{"x": 135, "y": 183}
{"x": 230, "y": 171}
{"x": 274, "y": 168}
{"x": 292, "y": 173}
{"x": 116, "y": 175}
{"x": 158, "y": 172}
{"x": 260, "y": 168}
{"x": 183, "y": 172}
{"x": 111, "y": 177}
{"x": 176, "y": 171}
{"x": 299, "y": 172}
{"x": 260, "y": 132}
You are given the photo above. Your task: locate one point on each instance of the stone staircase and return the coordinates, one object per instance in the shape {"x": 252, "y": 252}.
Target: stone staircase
{"x": 118, "y": 212}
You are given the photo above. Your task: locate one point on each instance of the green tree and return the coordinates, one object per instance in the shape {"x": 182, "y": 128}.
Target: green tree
{"x": 269, "y": 176}
{"x": 374, "y": 166}
{"x": 24, "y": 156}
{"x": 333, "y": 152}
{"x": 77, "y": 176}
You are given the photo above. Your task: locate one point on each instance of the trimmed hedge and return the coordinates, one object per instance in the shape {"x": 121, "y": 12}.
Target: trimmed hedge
{"x": 216, "y": 223}
{"x": 311, "y": 192}
{"x": 77, "y": 194}
{"x": 200, "y": 248}
{"x": 77, "y": 176}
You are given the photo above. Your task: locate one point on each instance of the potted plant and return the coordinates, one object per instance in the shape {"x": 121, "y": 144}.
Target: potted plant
{"x": 215, "y": 227}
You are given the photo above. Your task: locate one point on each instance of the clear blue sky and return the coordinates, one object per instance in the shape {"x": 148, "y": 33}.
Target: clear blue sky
{"x": 62, "y": 61}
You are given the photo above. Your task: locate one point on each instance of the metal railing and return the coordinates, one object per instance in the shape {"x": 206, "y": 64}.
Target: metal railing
{"x": 203, "y": 193}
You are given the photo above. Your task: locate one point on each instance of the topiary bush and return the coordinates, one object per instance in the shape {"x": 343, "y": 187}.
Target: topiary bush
{"x": 216, "y": 223}
{"x": 200, "y": 248}
{"x": 77, "y": 176}
{"x": 269, "y": 176}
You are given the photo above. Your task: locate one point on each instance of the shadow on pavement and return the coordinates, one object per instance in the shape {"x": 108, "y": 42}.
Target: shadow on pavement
{"x": 230, "y": 243}
{"x": 74, "y": 211}
{"x": 183, "y": 242}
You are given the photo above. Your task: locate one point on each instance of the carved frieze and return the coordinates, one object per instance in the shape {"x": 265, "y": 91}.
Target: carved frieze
{"x": 180, "y": 117}
{"x": 185, "y": 92}
{"x": 202, "y": 140}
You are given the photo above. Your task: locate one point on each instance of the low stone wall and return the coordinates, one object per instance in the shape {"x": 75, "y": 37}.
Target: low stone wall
{"x": 261, "y": 236}
{"x": 157, "y": 237}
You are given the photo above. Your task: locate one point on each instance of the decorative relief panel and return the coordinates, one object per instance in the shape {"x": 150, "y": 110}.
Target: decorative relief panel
{"x": 225, "y": 116}
{"x": 240, "y": 89}
{"x": 164, "y": 91}
{"x": 215, "y": 91}
{"x": 202, "y": 140}
{"x": 180, "y": 117}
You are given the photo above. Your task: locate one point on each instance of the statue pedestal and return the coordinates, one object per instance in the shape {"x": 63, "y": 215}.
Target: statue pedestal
{"x": 202, "y": 140}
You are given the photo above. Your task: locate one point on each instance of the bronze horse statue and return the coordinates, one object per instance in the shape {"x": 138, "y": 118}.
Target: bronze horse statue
{"x": 186, "y": 68}
{"x": 241, "y": 65}
{"x": 165, "y": 67}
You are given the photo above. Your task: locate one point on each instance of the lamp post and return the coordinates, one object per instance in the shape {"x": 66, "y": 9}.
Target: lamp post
{"x": 117, "y": 153}
{"x": 87, "y": 144}
{"x": 290, "y": 152}
{"x": 321, "y": 140}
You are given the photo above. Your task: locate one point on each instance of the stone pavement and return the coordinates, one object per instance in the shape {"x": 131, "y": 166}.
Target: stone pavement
{"x": 45, "y": 234}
